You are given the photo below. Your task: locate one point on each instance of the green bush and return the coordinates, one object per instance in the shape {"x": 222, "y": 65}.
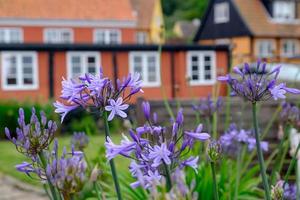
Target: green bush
{"x": 9, "y": 112}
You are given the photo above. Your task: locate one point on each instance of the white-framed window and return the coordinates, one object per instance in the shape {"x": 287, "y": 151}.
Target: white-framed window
{"x": 265, "y": 48}
{"x": 58, "y": 35}
{"x": 147, "y": 64}
{"x": 284, "y": 10}
{"x": 141, "y": 37}
{"x": 11, "y": 35}
{"x": 107, "y": 36}
{"x": 80, "y": 63}
{"x": 19, "y": 70}
{"x": 201, "y": 67}
{"x": 221, "y": 12}
{"x": 289, "y": 47}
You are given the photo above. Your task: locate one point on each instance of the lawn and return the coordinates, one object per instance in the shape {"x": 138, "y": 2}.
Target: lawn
{"x": 10, "y": 157}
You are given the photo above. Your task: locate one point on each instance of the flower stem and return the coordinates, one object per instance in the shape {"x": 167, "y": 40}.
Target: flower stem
{"x": 240, "y": 156}
{"x": 215, "y": 184}
{"x": 111, "y": 162}
{"x": 281, "y": 154}
{"x": 55, "y": 196}
{"x": 292, "y": 165}
{"x": 168, "y": 177}
{"x": 260, "y": 154}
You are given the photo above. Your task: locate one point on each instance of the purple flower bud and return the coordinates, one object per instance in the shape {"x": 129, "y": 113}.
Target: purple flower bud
{"x": 179, "y": 119}
{"x": 7, "y": 133}
{"x": 146, "y": 109}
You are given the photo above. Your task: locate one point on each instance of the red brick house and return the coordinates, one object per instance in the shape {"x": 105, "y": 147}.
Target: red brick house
{"x": 42, "y": 41}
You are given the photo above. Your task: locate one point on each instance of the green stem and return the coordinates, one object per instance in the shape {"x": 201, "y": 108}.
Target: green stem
{"x": 260, "y": 154}
{"x": 98, "y": 190}
{"x": 215, "y": 184}
{"x": 214, "y": 125}
{"x": 52, "y": 188}
{"x": 111, "y": 162}
{"x": 168, "y": 177}
{"x": 227, "y": 108}
{"x": 238, "y": 172}
{"x": 265, "y": 132}
{"x": 292, "y": 165}
{"x": 281, "y": 155}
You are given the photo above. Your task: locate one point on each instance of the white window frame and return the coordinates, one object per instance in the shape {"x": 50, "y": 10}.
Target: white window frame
{"x": 280, "y": 6}
{"x": 221, "y": 12}
{"x": 20, "y": 85}
{"x": 290, "y": 53}
{"x": 201, "y": 80}
{"x": 144, "y": 55}
{"x": 107, "y": 39}
{"x": 59, "y": 40}
{"x": 141, "y": 37}
{"x": 7, "y": 36}
{"x": 267, "y": 55}
{"x": 83, "y": 56}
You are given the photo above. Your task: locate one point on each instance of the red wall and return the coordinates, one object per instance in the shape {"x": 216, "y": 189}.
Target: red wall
{"x": 183, "y": 89}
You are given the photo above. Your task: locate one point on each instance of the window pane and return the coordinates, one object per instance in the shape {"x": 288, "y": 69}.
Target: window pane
{"x": 195, "y": 68}
{"x": 91, "y": 65}
{"x": 11, "y": 75}
{"x": 151, "y": 62}
{"x": 207, "y": 67}
{"x": 76, "y": 66}
{"x": 137, "y": 65}
{"x": 15, "y": 35}
{"x": 2, "y": 36}
{"x": 113, "y": 37}
{"x": 66, "y": 37}
{"x": 100, "y": 37}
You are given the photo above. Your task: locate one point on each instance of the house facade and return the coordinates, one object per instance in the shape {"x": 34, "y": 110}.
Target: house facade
{"x": 43, "y": 41}
{"x": 255, "y": 29}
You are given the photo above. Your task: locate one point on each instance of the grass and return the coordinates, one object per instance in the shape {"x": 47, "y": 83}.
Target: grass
{"x": 10, "y": 157}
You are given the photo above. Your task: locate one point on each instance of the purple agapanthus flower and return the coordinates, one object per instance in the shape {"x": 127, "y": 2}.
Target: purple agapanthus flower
{"x": 152, "y": 148}
{"x": 256, "y": 84}
{"x": 197, "y": 134}
{"x": 125, "y": 148}
{"x": 160, "y": 154}
{"x": 80, "y": 140}
{"x": 68, "y": 172}
{"x": 290, "y": 191}
{"x": 290, "y": 113}
{"x": 207, "y": 107}
{"x": 63, "y": 109}
{"x": 232, "y": 140}
{"x": 116, "y": 108}
{"x": 34, "y": 137}
{"x": 98, "y": 92}
{"x": 191, "y": 162}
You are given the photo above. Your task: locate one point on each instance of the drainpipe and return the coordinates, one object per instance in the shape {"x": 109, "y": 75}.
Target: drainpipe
{"x": 51, "y": 73}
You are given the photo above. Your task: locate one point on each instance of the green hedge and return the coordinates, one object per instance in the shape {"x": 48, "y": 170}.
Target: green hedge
{"x": 78, "y": 120}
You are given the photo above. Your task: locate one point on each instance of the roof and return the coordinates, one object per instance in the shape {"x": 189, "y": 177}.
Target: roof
{"x": 144, "y": 12}
{"x": 260, "y": 22}
{"x": 67, "y": 9}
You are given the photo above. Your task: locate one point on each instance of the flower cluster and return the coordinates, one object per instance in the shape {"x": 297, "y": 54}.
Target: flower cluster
{"x": 233, "y": 138}
{"x": 290, "y": 191}
{"x": 80, "y": 140}
{"x": 34, "y": 137}
{"x": 214, "y": 151}
{"x": 207, "y": 107}
{"x": 156, "y": 151}
{"x": 67, "y": 172}
{"x": 256, "y": 84}
{"x": 287, "y": 193}
{"x": 98, "y": 91}
{"x": 181, "y": 190}
{"x": 289, "y": 113}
